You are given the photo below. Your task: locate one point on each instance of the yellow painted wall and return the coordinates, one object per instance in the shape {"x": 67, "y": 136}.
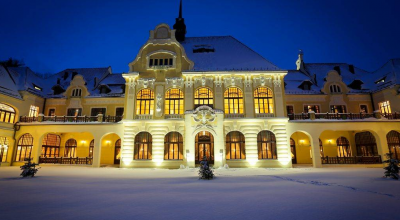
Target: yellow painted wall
{"x": 303, "y": 147}
{"x": 108, "y": 149}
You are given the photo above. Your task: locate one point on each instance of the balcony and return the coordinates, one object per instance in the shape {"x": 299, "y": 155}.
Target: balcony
{"x": 144, "y": 117}
{"x": 174, "y": 116}
{"x": 66, "y": 160}
{"x": 71, "y": 119}
{"x": 343, "y": 116}
{"x": 265, "y": 115}
{"x": 234, "y": 115}
{"x": 352, "y": 160}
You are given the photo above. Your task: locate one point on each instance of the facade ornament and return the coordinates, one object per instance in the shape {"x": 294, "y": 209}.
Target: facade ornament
{"x": 174, "y": 81}
{"x": 131, "y": 83}
{"x": 232, "y": 81}
{"x": 189, "y": 81}
{"x": 247, "y": 81}
{"x": 203, "y": 80}
{"x": 159, "y": 102}
{"x": 262, "y": 80}
{"x": 277, "y": 81}
{"x": 146, "y": 82}
{"x": 218, "y": 81}
{"x": 203, "y": 115}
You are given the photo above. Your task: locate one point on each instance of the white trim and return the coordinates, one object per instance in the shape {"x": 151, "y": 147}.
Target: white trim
{"x": 49, "y": 110}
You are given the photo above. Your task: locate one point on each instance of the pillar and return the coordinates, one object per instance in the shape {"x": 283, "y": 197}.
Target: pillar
{"x": 96, "y": 151}
{"x": 130, "y": 95}
{"x": 189, "y": 139}
{"x": 316, "y": 157}
{"x": 381, "y": 143}
{"x": 219, "y": 141}
{"x": 249, "y": 101}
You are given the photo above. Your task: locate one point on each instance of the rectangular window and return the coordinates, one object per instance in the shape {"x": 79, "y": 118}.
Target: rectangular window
{"x": 119, "y": 112}
{"x": 363, "y": 109}
{"x": 289, "y": 109}
{"x": 155, "y": 62}
{"x": 338, "y": 109}
{"x": 96, "y": 111}
{"x": 308, "y": 108}
{"x": 74, "y": 112}
{"x": 151, "y": 62}
{"x": 171, "y": 62}
{"x": 33, "y": 111}
{"x": 52, "y": 112}
{"x": 166, "y": 62}
{"x": 161, "y": 62}
{"x": 385, "y": 107}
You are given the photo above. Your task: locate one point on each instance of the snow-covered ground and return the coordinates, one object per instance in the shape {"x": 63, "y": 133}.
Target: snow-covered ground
{"x": 66, "y": 192}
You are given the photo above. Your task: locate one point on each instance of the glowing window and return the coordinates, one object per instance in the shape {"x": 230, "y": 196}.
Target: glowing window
{"x": 24, "y": 147}
{"x": 33, "y": 111}
{"x": 235, "y": 146}
{"x": 203, "y": 96}
{"x": 7, "y": 113}
{"x": 385, "y": 107}
{"x": 233, "y": 101}
{"x": 3, "y": 149}
{"x": 70, "y": 148}
{"x": 263, "y": 100}
{"x": 117, "y": 152}
{"x": 173, "y": 146}
{"x": 143, "y": 146}
{"x": 76, "y": 92}
{"x": 91, "y": 148}
{"x": 393, "y": 140}
{"x": 343, "y": 147}
{"x": 366, "y": 144}
{"x": 266, "y": 144}
{"x": 145, "y": 102}
{"x": 174, "y": 102}
{"x": 51, "y": 145}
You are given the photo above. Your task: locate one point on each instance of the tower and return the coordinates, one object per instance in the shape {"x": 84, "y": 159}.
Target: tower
{"x": 180, "y": 26}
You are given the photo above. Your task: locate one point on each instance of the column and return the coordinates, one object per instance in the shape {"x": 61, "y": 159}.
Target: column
{"x": 249, "y": 101}
{"x": 36, "y": 149}
{"x": 279, "y": 99}
{"x": 130, "y": 96}
{"x": 381, "y": 144}
{"x": 96, "y": 151}
{"x": 189, "y": 139}
{"x": 219, "y": 141}
{"x": 316, "y": 157}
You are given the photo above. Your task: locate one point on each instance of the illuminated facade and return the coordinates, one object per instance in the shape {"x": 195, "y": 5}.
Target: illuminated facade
{"x": 200, "y": 96}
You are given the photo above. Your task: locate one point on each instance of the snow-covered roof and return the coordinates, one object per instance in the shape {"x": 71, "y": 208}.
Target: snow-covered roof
{"x": 223, "y": 53}
{"x": 8, "y": 86}
{"x": 27, "y": 80}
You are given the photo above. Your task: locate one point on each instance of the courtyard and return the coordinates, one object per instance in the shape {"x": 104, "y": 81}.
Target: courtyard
{"x": 79, "y": 192}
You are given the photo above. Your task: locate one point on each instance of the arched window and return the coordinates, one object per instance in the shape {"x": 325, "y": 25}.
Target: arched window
{"x": 235, "y": 146}
{"x": 343, "y": 147}
{"x": 24, "y": 148}
{"x": 203, "y": 96}
{"x": 70, "y": 148}
{"x": 393, "y": 140}
{"x": 7, "y": 113}
{"x": 174, "y": 102}
{"x": 91, "y": 148}
{"x": 321, "y": 148}
{"x": 143, "y": 146}
{"x": 117, "y": 152}
{"x": 293, "y": 150}
{"x": 263, "y": 100}
{"x": 233, "y": 101}
{"x": 335, "y": 89}
{"x": 266, "y": 143}
{"x": 145, "y": 102}
{"x": 173, "y": 146}
{"x": 76, "y": 92}
{"x": 51, "y": 145}
{"x": 366, "y": 144}
{"x": 3, "y": 149}
{"x": 204, "y": 147}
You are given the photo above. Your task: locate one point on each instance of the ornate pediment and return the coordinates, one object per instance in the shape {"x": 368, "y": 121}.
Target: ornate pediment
{"x": 174, "y": 82}
{"x": 146, "y": 82}
{"x": 203, "y": 116}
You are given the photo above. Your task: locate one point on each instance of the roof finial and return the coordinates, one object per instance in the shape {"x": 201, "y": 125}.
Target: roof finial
{"x": 180, "y": 10}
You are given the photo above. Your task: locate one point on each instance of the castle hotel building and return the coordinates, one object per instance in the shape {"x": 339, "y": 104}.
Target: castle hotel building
{"x": 189, "y": 97}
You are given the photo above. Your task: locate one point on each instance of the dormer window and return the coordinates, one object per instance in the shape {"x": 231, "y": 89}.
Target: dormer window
{"x": 305, "y": 85}
{"x": 76, "y": 93}
{"x": 356, "y": 84}
{"x": 37, "y": 87}
{"x": 104, "y": 89}
{"x": 335, "y": 89}
{"x": 203, "y": 48}
{"x": 381, "y": 80}
{"x": 166, "y": 62}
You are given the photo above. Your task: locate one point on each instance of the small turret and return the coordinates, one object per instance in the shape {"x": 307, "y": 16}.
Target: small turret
{"x": 180, "y": 26}
{"x": 300, "y": 62}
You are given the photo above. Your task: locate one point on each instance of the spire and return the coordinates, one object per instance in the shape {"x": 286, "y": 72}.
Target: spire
{"x": 180, "y": 26}
{"x": 180, "y": 10}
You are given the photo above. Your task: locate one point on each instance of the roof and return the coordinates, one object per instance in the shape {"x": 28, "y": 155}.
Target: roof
{"x": 221, "y": 53}
{"x": 27, "y": 80}
{"x": 8, "y": 85}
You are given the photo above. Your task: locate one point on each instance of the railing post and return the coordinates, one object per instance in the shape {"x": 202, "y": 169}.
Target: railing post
{"x": 100, "y": 118}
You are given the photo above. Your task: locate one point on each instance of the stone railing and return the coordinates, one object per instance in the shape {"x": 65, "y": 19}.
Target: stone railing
{"x": 352, "y": 160}
{"x": 265, "y": 115}
{"x": 234, "y": 115}
{"x": 66, "y": 160}
{"x": 76, "y": 119}
{"x": 144, "y": 117}
{"x": 174, "y": 116}
{"x": 343, "y": 116}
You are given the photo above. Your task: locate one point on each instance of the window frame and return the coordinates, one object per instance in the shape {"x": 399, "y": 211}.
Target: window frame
{"x": 70, "y": 148}
{"x": 176, "y": 143}
{"x": 140, "y": 145}
{"x": 24, "y": 142}
{"x": 199, "y": 99}
{"x": 7, "y": 116}
{"x": 33, "y": 111}
{"x": 144, "y": 102}
{"x": 233, "y": 104}
{"x": 313, "y": 105}
{"x": 387, "y": 108}
{"x": 177, "y": 104}
{"x": 269, "y": 98}
{"x": 343, "y": 147}
{"x": 235, "y": 142}
{"x": 54, "y": 150}
{"x": 270, "y": 140}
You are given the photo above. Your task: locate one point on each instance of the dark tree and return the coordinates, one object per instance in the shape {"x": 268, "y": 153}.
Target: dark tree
{"x": 12, "y": 63}
{"x": 29, "y": 169}
{"x": 205, "y": 171}
{"x": 392, "y": 169}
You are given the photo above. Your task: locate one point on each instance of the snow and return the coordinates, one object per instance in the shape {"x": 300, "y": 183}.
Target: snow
{"x": 68, "y": 192}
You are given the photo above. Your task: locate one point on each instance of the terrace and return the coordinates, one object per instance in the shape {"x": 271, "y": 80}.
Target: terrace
{"x": 344, "y": 116}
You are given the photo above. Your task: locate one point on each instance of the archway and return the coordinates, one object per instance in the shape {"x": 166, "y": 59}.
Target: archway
{"x": 110, "y": 150}
{"x": 393, "y": 140}
{"x": 300, "y": 146}
{"x": 204, "y": 146}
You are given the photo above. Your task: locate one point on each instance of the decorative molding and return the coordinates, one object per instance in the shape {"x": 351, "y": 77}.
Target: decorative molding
{"x": 159, "y": 102}
{"x": 232, "y": 81}
{"x": 365, "y": 98}
{"x": 277, "y": 81}
{"x": 262, "y": 80}
{"x": 204, "y": 115}
{"x": 218, "y": 81}
{"x": 146, "y": 82}
{"x": 97, "y": 101}
{"x": 189, "y": 81}
{"x": 203, "y": 79}
{"x": 305, "y": 98}
{"x": 247, "y": 81}
{"x": 174, "y": 81}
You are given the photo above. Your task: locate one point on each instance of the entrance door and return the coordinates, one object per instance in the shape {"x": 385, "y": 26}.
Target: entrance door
{"x": 117, "y": 152}
{"x": 204, "y": 147}
{"x": 293, "y": 150}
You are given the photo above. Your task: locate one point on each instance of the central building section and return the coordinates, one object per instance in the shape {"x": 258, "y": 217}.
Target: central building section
{"x": 203, "y": 97}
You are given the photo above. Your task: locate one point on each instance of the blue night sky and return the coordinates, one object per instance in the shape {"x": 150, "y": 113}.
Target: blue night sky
{"x": 54, "y": 35}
